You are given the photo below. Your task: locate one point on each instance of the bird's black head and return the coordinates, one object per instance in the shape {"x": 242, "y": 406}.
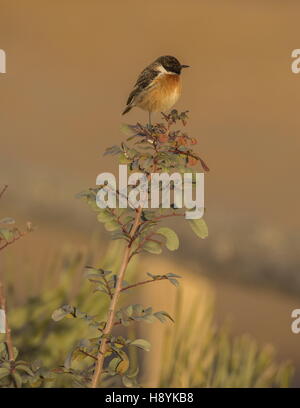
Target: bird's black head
{"x": 171, "y": 64}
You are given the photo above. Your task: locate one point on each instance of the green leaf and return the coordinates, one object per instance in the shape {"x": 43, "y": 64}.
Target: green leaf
{"x": 93, "y": 204}
{"x": 162, "y": 316}
{"x": 134, "y": 373}
{"x": 152, "y": 247}
{"x": 123, "y": 159}
{"x": 142, "y": 344}
{"x": 99, "y": 272}
{"x": 4, "y": 372}
{"x": 17, "y": 379}
{"x": 123, "y": 366}
{"x": 111, "y": 226}
{"x": 148, "y": 318}
{"x": 36, "y": 364}
{"x": 6, "y": 234}
{"x": 129, "y": 310}
{"x": 138, "y": 309}
{"x": 129, "y": 382}
{"x": 153, "y": 276}
{"x": 199, "y": 227}
{"x": 174, "y": 282}
{"x": 25, "y": 368}
{"x": 112, "y": 150}
{"x": 127, "y": 129}
{"x": 68, "y": 360}
{"x": 172, "y": 275}
{"x": 83, "y": 194}
{"x": 113, "y": 364}
{"x": 16, "y": 352}
{"x": 62, "y": 312}
{"x": 172, "y": 240}
{"x": 104, "y": 216}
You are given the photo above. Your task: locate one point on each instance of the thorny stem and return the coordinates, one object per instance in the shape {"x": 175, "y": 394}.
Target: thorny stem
{"x": 113, "y": 305}
{"x": 8, "y": 338}
{"x": 114, "y": 300}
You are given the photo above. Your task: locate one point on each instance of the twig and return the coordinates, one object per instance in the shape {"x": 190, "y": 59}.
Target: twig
{"x": 7, "y": 243}
{"x": 134, "y": 285}
{"x": 3, "y": 190}
{"x": 87, "y": 354}
{"x": 164, "y": 216}
{"x": 194, "y": 156}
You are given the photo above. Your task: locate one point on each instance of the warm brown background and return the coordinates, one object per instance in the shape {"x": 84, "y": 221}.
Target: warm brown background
{"x": 70, "y": 66}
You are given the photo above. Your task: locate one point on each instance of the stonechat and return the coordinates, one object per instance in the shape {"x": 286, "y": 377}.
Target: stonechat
{"x": 158, "y": 86}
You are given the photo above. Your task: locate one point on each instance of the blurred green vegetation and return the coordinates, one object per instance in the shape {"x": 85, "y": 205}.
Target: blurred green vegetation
{"x": 36, "y": 335}
{"x": 199, "y": 354}
{"x": 196, "y": 352}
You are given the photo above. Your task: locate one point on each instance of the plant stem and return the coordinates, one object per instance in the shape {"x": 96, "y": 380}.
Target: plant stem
{"x": 113, "y": 304}
{"x": 14, "y": 239}
{"x": 134, "y": 285}
{"x": 3, "y": 190}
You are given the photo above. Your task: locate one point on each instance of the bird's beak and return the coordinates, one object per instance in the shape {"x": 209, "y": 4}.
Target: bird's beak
{"x": 185, "y": 66}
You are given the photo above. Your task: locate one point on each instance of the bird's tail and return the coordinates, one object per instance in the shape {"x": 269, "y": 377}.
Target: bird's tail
{"x": 127, "y": 109}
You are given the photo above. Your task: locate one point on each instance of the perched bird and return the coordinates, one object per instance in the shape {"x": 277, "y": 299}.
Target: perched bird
{"x": 158, "y": 86}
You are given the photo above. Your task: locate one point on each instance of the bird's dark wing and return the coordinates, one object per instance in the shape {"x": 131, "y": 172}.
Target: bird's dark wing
{"x": 144, "y": 80}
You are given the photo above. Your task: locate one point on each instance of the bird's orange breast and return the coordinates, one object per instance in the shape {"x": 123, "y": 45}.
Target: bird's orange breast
{"x": 162, "y": 95}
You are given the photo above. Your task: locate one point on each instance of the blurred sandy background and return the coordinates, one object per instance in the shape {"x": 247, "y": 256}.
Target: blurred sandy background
{"x": 70, "y": 67}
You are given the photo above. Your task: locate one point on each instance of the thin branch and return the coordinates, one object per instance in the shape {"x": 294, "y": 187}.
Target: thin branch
{"x": 7, "y": 243}
{"x": 163, "y": 216}
{"x": 189, "y": 154}
{"x": 113, "y": 305}
{"x": 3, "y": 190}
{"x": 143, "y": 283}
{"x": 168, "y": 216}
{"x": 87, "y": 354}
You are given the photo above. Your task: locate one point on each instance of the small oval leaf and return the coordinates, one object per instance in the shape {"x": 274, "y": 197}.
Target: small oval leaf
{"x": 172, "y": 240}
{"x": 142, "y": 344}
{"x": 199, "y": 227}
